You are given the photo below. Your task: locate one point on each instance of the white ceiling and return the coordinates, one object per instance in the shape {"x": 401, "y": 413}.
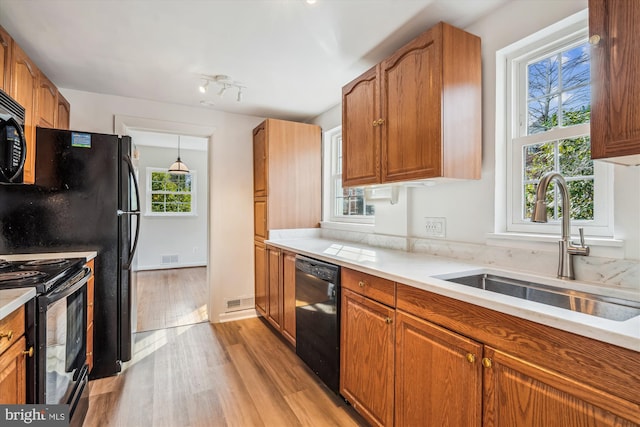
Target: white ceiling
{"x": 292, "y": 57}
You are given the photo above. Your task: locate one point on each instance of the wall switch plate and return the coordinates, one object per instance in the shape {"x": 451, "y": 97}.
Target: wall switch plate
{"x": 436, "y": 227}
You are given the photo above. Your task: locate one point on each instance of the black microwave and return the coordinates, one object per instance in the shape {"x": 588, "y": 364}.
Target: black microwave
{"x": 13, "y": 145}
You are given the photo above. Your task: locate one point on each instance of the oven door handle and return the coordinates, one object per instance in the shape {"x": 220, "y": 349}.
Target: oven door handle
{"x": 69, "y": 288}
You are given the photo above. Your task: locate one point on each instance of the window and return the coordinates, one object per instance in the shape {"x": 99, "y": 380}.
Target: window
{"x": 346, "y": 204}
{"x": 548, "y": 110}
{"x": 170, "y": 194}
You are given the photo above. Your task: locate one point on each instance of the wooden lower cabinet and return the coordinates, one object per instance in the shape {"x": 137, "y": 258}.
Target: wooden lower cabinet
{"x": 438, "y": 376}
{"x": 261, "y": 277}
{"x": 274, "y": 283}
{"x": 289, "y": 296}
{"x": 518, "y": 393}
{"x": 367, "y": 357}
{"x": 13, "y": 359}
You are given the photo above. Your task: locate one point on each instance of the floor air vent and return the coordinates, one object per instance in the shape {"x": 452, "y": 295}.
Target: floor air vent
{"x": 237, "y": 304}
{"x": 170, "y": 259}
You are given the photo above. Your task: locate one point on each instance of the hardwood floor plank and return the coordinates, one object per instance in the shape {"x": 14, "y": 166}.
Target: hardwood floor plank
{"x": 238, "y": 374}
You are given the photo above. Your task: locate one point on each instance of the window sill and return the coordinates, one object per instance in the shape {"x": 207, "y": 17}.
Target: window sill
{"x": 169, "y": 215}
{"x": 554, "y": 238}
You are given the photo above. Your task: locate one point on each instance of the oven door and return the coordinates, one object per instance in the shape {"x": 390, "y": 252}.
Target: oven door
{"x": 62, "y": 331}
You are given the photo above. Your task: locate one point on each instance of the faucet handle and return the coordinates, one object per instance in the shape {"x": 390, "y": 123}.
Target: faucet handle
{"x": 581, "y": 231}
{"x": 579, "y": 250}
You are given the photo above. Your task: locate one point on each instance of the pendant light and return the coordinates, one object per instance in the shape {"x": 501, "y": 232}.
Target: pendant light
{"x": 178, "y": 167}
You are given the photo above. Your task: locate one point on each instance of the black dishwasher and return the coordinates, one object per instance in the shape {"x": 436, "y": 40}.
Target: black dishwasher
{"x": 318, "y": 318}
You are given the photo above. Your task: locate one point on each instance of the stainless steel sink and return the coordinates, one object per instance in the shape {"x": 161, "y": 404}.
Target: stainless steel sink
{"x": 595, "y": 305}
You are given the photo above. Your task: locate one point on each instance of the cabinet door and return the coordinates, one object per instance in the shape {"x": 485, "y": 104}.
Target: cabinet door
{"x": 5, "y": 60}
{"x": 274, "y": 291}
{"x": 518, "y": 393}
{"x": 63, "y": 115}
{"x": 360, "y": 131}
{"x": 615, "y": 80}
{"x": 260, "y": 160}
{"x": 438, "y": 375}
{"x": 260, "y": 253}
{"x": 411, "y": 97}
{"x": 47, "y": 102}
{"x": 366, "y": 357}
{"x": 260, "y": 218}
{"x": 13, "y": 374}
{"x": 24, "y": 84}
{"x": 289, "y": 297}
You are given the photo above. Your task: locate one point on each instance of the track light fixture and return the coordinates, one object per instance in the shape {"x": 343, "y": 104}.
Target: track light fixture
{"x": 225, "y": 83}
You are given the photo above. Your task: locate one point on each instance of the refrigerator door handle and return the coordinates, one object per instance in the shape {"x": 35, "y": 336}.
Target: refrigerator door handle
{"x": 135, "y": 212}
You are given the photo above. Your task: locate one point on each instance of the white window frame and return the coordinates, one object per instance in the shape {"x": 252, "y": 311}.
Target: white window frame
{"x": 149, "y": 212}
{"x": 333, "y": 174}
{"x": 514, "y": 60}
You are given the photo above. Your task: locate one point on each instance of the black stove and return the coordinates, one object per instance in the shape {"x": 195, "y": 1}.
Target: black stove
{"x": 43, "y": 274}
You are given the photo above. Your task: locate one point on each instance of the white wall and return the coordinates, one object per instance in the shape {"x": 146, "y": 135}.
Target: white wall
{"x": 469, "y": 207}
{"x": 230, "y": 164}
{"x": 185, "y": 237}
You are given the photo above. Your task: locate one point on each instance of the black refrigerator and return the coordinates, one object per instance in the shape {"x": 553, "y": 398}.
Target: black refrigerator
{"x": 85, "y": 198}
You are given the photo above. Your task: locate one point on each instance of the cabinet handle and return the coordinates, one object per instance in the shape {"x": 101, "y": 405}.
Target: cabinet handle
{"x": 486, "y": 362}
{"x": 28, "y": 352}
{"x": 378, "y": 122}
{"x": 361, "y": 283}
{"x": 388, "y": 320}
{"x": 7, "y": 335}
{"x": 594, "y": 40}
{"x": 471, "y": 357}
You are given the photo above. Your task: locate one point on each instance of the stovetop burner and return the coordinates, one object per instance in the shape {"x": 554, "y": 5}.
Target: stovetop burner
{"x": 4, "y": 264}
{"x": 43, "y": 274}
{"x": 56, "y": 262}
{"x": 22, "y": 277}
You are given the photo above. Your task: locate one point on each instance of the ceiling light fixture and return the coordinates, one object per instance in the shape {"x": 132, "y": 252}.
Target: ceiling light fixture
{"x": 311, "y": 1}
{"x": 178, "y": 167}
{"x": 225, "y": 82}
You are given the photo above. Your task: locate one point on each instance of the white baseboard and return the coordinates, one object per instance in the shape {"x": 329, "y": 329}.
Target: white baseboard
{"x": 237, "y": 315}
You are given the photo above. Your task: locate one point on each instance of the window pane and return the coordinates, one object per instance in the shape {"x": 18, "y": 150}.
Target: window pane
{"x": 575, "y": 157}
{"x": 538, "y": 160}
{"x": 575, "y": 67}
{"x": 576, "y": 106}
{"x": 542, "y": 77}
{"x": 543, "y": 114}
{"x": 581, "y": 194}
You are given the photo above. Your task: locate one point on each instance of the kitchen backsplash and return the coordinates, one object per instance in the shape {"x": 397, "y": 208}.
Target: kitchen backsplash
{"x": 606, "y": 271}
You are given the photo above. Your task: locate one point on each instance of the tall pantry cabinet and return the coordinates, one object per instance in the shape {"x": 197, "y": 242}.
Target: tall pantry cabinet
{"x": 287, "y": 194}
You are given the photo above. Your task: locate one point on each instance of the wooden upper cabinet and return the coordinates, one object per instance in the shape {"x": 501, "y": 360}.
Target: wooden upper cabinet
{"x": 47, "y": 105}
{"x": 24, "y": 89}
{"x": 5, "y": 60}
{"x": 63, "y": 115}
{"x": 428, "y": 95}
{"x": 519, "y": 393}
{"x": 615, "y": 80}
{"x": 360, "y": 137}
{"x": 260, "y": 161}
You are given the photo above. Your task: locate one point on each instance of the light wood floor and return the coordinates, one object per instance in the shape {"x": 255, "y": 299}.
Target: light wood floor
{"x": 168, "y": 298}
{"x": 230, "y": 374}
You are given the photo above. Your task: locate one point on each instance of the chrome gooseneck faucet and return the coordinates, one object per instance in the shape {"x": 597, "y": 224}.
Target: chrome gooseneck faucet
{"x": 539, "y": 214}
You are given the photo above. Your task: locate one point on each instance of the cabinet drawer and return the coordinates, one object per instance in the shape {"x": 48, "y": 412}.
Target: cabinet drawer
{"x": 376, "y": 288}
{"x": 12, "y": 325}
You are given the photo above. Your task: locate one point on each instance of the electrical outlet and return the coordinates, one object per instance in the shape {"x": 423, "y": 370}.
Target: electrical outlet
{"x": 435, "y": 227}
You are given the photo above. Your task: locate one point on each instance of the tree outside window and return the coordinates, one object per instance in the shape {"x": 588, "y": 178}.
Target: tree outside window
{"x": 170, "y": 194}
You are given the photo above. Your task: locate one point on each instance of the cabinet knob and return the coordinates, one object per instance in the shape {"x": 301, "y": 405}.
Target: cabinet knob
{"x": 378, "y": 122}
{"x": 28, "y": 352}
{"x": 388, "y": 320}
{"x": 594, "y": 40}
{"x": 361, "y": 283}
{"x": 7, "y": 335}
{"x": 471, "y": 357}
{"x": 486, "y": 362}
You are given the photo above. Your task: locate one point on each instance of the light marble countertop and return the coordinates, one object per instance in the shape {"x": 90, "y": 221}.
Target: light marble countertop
{"x": 11, "y": 299}
{"x": 427, "y": 272}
